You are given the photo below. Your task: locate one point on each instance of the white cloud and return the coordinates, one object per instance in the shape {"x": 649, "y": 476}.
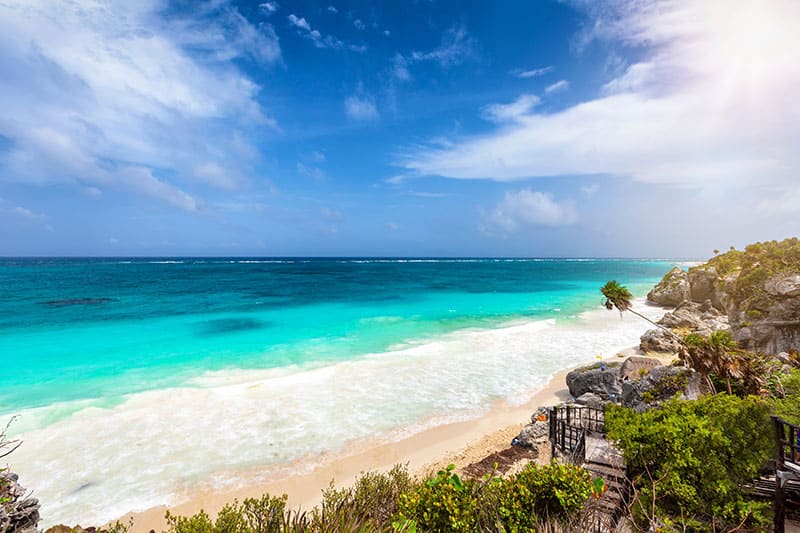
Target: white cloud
{"x": 24, "y": 212}
{"x": 359, "y": 24}
{"x": 557, "y": 87}
{"x": 711, "y": 103}
{"x": 310, "y": 171}
{"x": 361, "y": 108}
{"x": 299, "y": 22}
{"x": 527, "y": 209}
{"x": 513, "y": 111}
{"x": 387, "y": 33}
{"x": 456, "y": 47}
{"x": 590, "y": 190}
{"x": 141, "y": 180}
{"x": 97, "y": 88}
{"x": 216, "y": 176}
{"x": 318, "y": 39}
{"x": 531, "y": 73}
{"x": 268, "y": 8}
{"x": 333, "y": 9}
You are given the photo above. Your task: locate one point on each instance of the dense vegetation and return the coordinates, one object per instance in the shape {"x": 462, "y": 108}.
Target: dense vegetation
{"x": 534, "y": 499}
{"x": 755, "y": 265}
{"x": 688, "y": 461}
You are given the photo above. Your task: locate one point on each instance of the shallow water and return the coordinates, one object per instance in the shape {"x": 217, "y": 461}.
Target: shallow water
{"x": 141, "y": 378}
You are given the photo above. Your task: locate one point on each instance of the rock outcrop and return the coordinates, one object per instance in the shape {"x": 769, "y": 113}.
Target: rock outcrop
{"x": 18, "y": 513}
{"x": 535, "y": 433}
{"x": 600, "y": 379}
{"x": 661, "y": 384}
{"x": 755, "y": 294}
{"x": 671, "y": 290}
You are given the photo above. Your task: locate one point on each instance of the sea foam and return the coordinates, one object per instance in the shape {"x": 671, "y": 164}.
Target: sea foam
{"x": 157, "y": 446}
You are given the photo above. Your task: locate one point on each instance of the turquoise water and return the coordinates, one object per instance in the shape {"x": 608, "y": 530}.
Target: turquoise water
{"x": 100, "y": 329}
{"x": 153, "y": 379}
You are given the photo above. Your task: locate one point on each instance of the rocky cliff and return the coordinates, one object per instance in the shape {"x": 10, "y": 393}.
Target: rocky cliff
{"x": 755, "y": 292}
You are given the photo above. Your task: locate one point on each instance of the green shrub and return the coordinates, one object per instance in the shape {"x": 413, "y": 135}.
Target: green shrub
{"x": 442, "y": 503}
{"x": 689, "y": 460}
{"x": 557, "y": 491}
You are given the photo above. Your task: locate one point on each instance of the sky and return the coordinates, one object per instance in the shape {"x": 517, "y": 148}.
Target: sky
{"x": 575, "y": 128}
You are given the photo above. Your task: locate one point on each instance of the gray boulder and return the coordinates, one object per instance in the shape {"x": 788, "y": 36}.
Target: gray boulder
{"x": 600, "y": 380}
{"x": 590, "y": 400}
{"x": 659, "y": 341}
{"x": 703, "y": 281}
{"x": 661, "y": 384}
{"x": 702, "y": 318}
{"x": 671, "y": 290}
{"x": 535, "y": 433}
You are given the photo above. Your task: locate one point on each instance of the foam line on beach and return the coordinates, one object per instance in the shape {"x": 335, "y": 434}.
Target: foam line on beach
{"x": 156, "y": 446}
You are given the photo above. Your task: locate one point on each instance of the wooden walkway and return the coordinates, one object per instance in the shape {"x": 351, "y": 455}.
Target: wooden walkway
{"x": 578, "y": 434}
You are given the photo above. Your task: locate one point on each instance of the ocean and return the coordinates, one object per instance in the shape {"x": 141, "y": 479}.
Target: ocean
{"x": 135, "y": 380}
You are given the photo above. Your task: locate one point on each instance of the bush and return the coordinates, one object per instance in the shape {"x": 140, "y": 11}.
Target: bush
{"x": 689, "y": 460}
{"x": 442, "y": 503}
{"x": 557, "y": 491}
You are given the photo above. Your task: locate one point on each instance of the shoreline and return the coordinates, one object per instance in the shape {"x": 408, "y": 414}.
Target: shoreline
{"x": 459, "y": 443}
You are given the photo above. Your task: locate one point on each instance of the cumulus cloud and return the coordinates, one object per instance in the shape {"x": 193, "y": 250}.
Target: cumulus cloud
{"x": 513, "y": 111}
{"x": 531, "y": 73}
{"x": 711, "y": 102}
{"x": 100, "y": 89}
{"x": 558, "y": 87}
{"x": 299, "y": 22}
{"x": 268, "y": 8}
{"x": 360, "y": 108}
{"x": 527, "y": 209}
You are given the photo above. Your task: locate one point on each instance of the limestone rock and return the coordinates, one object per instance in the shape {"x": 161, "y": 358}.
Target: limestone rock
{"x": 671, "y": 290}
{"x": 661, "y": 384}
{"x": 535, "y": 433}
{"x": 635, "y": 367}
{"x": 600, "y": 380}
{"x": 659, "y": 341}
{"x": 18, "y": 514}
{"x": 702, "y": 318}
{"x": 590, "y": 400}
{"x": 703, "y": 281}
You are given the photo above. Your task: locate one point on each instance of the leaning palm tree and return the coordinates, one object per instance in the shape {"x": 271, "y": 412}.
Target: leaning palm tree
{"x": 619, "y": 297}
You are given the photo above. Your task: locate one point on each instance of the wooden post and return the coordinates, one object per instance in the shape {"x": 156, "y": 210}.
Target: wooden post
{"x": 780, "y": 497}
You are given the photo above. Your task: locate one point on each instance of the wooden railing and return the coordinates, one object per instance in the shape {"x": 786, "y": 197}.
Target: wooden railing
{"x": 787, "y": 465}
{"x": 568, "y": 428}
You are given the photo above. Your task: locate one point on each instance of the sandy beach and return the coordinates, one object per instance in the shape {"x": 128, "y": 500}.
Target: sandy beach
{"x": 459, "y": 443}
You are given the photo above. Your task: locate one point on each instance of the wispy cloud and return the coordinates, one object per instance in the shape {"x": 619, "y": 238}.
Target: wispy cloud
{"x": 311, "y": 171}
{"x": 527, "y": 208}
{"x": 513, "y": 111}
{"x": 318, "y": 39}
{"x": 333, "y": 9}
{"x": 102, "y": 101}
{"x": 531, "y": 73}
{"x": 711, "y": 102}
{"x": 558, "y": 87}
{"x": 361, "y": 108}
{"x": 457, "y": 46}
{"x": 359, "y": 24}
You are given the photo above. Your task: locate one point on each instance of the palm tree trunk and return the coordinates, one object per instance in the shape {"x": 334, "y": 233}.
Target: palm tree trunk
{"x": 660, "y": 326}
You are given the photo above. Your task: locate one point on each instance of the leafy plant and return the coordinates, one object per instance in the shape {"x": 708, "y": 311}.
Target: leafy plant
{"x": 689, "y": 459}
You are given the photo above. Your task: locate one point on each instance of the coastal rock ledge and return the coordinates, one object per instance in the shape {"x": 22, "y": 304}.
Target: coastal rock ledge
{"x": 18, "y": 513}
{"x": 671, "y": 290}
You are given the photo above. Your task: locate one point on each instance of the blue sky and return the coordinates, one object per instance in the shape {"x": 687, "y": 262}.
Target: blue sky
{"x": 427, "y": 128}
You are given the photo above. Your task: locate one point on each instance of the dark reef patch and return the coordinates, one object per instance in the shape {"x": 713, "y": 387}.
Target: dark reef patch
{"x": 77, "y": 301}
{"x": 222, "y": 326}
